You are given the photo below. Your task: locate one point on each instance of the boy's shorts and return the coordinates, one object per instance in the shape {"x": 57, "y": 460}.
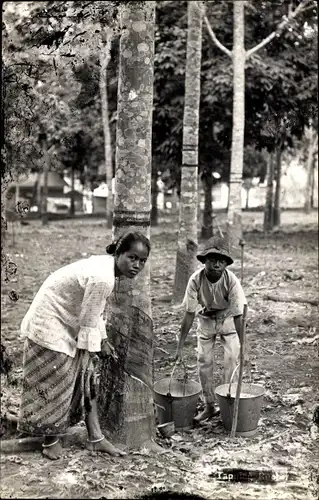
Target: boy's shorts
{"x": 208, "y": 327}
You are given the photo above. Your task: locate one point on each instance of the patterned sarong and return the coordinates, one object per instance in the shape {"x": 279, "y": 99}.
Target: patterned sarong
{"x": 56, "y": 391}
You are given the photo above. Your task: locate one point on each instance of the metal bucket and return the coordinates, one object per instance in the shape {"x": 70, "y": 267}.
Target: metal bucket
{"x": 250, "y": 402}
{"x": 176, "y": 400}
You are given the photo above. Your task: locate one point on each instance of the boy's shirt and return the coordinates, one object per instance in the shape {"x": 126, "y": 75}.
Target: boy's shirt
{"x": 226, "y": 296}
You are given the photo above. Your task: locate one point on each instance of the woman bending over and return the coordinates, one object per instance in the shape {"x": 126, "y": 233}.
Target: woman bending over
{"x": 64, "y": 327}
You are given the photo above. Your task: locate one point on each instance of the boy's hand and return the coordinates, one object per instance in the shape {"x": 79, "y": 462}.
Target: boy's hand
{"x": 208, "y": 313}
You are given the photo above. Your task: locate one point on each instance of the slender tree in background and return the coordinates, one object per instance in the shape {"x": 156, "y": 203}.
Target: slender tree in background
{"x": 105, "y": 57}
{"x": 312, "y": 144}
{"x": 278, "y": 168}
{"x": 207, "y": 225}
{"x": 237, "y": 149}
{"x": 239, "y": 57}
{"x": 187, "y": 236}
{"x": 126, "y": 404}
{"x": 278, "y": 130}
{"x": 207, "y": 177}
{"x": 38, "y": 192}
{"x": 268, "y": 210}
{"x": 46, "y": 168}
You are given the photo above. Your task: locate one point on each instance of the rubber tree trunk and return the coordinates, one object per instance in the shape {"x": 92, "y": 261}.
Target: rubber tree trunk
{"x": 125, "y": 404}
{"x": 187, "y": 235}
{"x": 310, "y": 171}
{"x": 268, "y": 210}
{"x": 44, "y": 211}
{"x": 234, "y": 213}
{"x": 207, "y": 227}
{"x": 154, "y": 210}
{"x": 104, "y": 61}
{"x": 4, "y": 222}
{"x": 278, "y": 186}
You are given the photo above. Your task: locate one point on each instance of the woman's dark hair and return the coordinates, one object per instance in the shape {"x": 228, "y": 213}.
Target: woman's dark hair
{"x": 123, "y": 244}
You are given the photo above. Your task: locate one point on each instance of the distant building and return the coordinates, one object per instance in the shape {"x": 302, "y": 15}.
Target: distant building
{"x": 58, "y": 201}
{"x": 99, "y": 197}
{"x": 293, "y": 187}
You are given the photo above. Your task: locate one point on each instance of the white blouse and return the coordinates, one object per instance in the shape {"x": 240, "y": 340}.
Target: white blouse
{"x": 66, "y": 313}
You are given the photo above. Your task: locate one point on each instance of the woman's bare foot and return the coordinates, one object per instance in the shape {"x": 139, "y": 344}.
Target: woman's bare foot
{"x": 53, "y": 452}
{"x": 105, "y": 447}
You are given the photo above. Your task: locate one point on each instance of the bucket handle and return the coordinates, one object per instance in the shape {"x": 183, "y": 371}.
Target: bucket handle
{"x": 171, "y": 377}
{"x": 231, "y": 379}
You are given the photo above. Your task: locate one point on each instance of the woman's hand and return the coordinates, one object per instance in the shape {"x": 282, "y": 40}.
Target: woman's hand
{"x": 106, "y": 349}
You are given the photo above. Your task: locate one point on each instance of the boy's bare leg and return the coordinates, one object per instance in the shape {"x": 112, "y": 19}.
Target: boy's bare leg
{"x": 206, "y": 375}
{"x": 95, "y": 433}
{"x": 209, "y": 411}
{"x": 231, "y": 346}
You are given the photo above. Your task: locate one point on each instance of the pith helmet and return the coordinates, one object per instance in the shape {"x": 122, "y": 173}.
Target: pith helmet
{"x": 217, "y": 245}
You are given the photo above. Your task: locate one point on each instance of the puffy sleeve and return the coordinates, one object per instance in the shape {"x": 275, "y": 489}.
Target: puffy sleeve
{"x": 191, "y": 296}
{"x": 236, "y": 296}
{"x": 92, "y": 325}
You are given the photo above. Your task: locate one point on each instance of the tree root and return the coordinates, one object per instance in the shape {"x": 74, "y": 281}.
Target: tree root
{"x": 75, "y": 435}
{"x": 21, "y": 445}
{"x": 300, "y": 300}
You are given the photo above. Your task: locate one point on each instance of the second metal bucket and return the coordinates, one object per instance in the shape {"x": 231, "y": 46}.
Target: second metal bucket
{"x": 176, "y": 400}
{"x": 250, "y": 402}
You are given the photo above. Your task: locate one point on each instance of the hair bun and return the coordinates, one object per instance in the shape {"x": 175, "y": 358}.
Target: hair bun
{"x": 110, "y": 249}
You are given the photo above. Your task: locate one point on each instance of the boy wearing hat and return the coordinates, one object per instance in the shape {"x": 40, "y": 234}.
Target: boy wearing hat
{"x": 213, "y": 294}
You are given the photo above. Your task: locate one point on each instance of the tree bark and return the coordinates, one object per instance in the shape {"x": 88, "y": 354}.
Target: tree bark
{"x": 207, "y": 227}
{"x": 268, "y": 210}
{"x": 104, "y": 61}
{"x": 310, "y": 172}
{"x": 125, "y": 404}
{"x": 187, "y": 236}
{"x": 276, "y": 219}
{"x": 4, "y": 222}
{"x": 234, "y": 213}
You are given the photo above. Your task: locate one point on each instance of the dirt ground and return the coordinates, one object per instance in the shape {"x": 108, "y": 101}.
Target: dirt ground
{"x": 282, "y": 347}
